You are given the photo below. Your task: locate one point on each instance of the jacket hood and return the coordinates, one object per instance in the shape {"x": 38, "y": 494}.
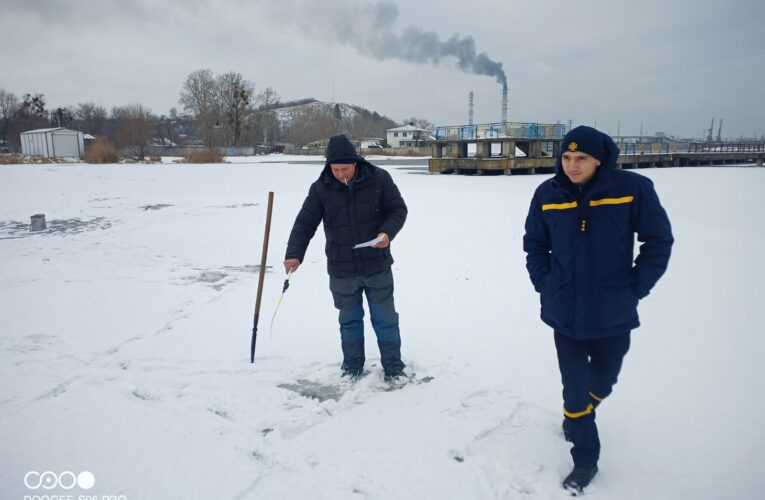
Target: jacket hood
{"x": 592, "y": 142}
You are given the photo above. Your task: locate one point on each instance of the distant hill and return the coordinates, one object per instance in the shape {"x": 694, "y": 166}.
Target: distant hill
{"x": 307, "y": 120}
{"x": 285, "y": 113}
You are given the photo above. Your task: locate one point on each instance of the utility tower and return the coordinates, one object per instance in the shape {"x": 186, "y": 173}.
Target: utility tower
{"x": 719, "y": 131}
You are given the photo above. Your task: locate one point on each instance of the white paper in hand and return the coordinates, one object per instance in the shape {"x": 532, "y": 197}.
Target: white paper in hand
{"x": 369, "y": 243}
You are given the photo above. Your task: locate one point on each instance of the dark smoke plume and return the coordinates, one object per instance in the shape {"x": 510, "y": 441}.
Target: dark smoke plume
{"x": 370, "y": 29}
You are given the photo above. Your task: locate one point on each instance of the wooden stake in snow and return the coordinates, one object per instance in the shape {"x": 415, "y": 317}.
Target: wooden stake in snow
{"x": 262, "y": 276}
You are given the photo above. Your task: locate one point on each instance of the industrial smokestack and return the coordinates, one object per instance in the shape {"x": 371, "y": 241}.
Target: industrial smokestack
{"x": 504, "y": 103}
{"x": 470, "y": 108}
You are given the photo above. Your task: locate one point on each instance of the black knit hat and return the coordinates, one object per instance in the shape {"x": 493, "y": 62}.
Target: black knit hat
{"x": 341, "y": 150}
{"x": 587, "y": 140}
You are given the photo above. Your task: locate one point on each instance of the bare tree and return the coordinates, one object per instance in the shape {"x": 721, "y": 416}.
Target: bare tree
{"x": 91, "y": 117}
{"x": 9, "y": 107}
{"x": 31, "y": 114}
{"x": 165, "y": 132}
{"x": 420, "y": 123}
{"x": 134, "y": 125}
{"x": 366, "y": 124}
{"x": 199, "y": 98}
{"x": 34, "y": 105}
{"x": 266, "y": 119}
{"x": 235, "y": 95}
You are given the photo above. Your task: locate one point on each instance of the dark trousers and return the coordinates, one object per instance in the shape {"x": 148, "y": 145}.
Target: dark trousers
{"x": 589, "y": 369}
{"x": 378, "y": 288}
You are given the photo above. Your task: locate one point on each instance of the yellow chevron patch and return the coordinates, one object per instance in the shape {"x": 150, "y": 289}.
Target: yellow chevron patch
{"x": 612, "y": 201}
{"x": 559, "y": 206}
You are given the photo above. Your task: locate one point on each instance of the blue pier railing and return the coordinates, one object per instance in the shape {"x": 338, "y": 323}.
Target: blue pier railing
{"x": 512, "y": 130}
{"x": 644, "y": 148}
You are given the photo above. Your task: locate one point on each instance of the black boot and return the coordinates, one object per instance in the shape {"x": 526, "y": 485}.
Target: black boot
{"x": 353, "y": 374}
{"x": 578, "y": 479}
{"x": 390, "y": 357}
{"x": 395, "y": 376}
{"x": 353, "y": 359}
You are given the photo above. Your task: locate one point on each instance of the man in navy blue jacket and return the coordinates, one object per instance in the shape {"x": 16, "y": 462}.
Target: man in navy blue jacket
{"x": 579, "y": 243}
{"x": 357, "y": 202}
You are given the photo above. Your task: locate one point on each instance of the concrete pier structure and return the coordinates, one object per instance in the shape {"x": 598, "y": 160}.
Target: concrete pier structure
{"x": 523, "y": 148}
{"x": 495, "y": 147}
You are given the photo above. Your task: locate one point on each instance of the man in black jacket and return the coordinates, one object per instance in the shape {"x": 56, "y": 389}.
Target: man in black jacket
{"x": 357, "y": 202}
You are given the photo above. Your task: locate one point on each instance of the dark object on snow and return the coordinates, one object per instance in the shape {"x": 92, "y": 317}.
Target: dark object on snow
{"x": 315, "y": 390}
{"x": 38, "y": 223}
{"x": 578, "y": 479}
{"x": 262, "y": 276}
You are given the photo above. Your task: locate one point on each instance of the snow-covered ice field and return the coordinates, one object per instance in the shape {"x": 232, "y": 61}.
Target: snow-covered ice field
{"x": 125, "y": 331}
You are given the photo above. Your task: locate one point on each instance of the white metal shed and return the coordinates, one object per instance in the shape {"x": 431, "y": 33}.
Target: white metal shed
{"x": 53, "y": 143}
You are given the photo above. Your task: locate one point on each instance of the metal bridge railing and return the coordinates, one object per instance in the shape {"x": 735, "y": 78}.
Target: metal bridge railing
{"x": 727, "y": 147}
{"x": 512, "y": 130}
{"x": 637, "y": 148}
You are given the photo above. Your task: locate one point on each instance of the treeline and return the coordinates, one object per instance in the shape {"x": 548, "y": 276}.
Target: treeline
{"x": 222, "y": 110}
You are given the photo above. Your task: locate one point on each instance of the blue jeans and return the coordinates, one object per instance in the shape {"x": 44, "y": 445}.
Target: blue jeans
{"x": 378, "y": 288}
{"x": 589, "y": 369}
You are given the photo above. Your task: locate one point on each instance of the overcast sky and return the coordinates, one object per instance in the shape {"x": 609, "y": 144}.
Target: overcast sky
{"x": 670, "y": 65}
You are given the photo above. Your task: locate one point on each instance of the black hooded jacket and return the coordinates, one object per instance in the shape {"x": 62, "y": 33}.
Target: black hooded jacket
{"x": 352, "y": 214}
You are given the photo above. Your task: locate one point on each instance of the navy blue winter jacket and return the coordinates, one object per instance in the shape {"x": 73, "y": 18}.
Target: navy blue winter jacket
{"x": 580, "y": 243}
{"x": 352, "y": 214}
